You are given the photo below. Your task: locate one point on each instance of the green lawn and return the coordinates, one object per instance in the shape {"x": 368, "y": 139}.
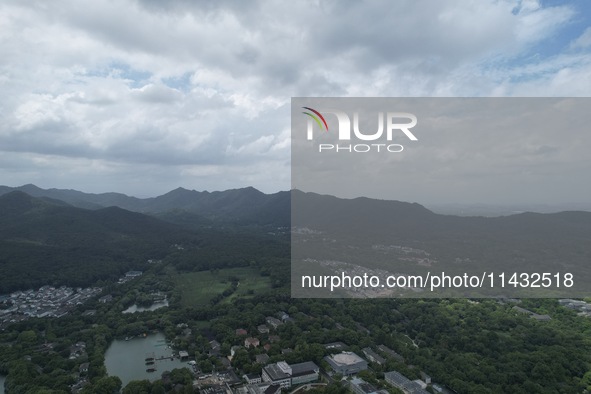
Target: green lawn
{"x": 198, "y": 288}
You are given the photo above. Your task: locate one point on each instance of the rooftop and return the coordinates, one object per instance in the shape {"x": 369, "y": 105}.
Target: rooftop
{"x": 304, "y": 368}
{"x": 275, "y": 372}
{"x": 346, "y": 358}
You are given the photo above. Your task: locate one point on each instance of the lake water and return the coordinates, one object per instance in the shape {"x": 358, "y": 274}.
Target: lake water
{"x": 157, "y": 305}
{"x": 2, "y": 379}
{"x": 126, "y": 359}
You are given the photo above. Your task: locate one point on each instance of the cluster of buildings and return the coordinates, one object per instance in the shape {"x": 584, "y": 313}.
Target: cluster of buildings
{"x": 48, "y": 301}
{"x": 348, "y": 364}
{"x": 531, "y": 314}
{"x": 405, "y": 253}
{"x": 347, "y": 270}
{"x": 277, "y": 376}
{"x": 578, "y": 305}
{"x": 130, "y": 275}
{"x": 78, "y": 350}
{"x": 281, "y": 376}
{"x": 408, "y": 386}
{"x": 273, "y": 378}
{"x": 286, "y": 375}
{"x": 360, "y": 386}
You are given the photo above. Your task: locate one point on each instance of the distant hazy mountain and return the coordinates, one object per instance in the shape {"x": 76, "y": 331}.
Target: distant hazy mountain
{"x": 352, "y": 230}
{"x": 76, "y": 198}
{"x": 492, "y": 210}
{"x": 240, "y": 206}
{"x": 386, "y": 220}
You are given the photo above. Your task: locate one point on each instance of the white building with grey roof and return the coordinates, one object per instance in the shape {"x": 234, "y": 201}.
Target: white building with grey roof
{"x": 286, "y": 375}
{"x": 346, "y": 363}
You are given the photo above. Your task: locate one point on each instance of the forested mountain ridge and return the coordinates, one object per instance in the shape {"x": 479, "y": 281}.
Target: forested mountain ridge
{"x": 49, "y": 237}
{"x": 49, "y": 242}
{"x": 45, "y": 241}
{"x": 240, "y": 206}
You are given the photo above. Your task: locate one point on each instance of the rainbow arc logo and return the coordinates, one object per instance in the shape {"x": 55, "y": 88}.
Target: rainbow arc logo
{"x": 317, "y": 116}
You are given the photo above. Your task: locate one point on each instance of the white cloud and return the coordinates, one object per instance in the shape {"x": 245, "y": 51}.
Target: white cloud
{"x": 187, "y": 84}
{"x": 584, "y": 40}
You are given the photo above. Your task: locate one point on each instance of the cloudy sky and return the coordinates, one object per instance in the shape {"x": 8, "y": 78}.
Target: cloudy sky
{"x": 530, "y": 153}
{"x": 141, "y": 97}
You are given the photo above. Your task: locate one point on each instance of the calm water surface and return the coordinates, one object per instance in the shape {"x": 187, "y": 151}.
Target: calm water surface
{"x": 126, "y": 359}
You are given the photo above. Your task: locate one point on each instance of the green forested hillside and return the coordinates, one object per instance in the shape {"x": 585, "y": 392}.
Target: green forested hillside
{"x": 44, "y": 242}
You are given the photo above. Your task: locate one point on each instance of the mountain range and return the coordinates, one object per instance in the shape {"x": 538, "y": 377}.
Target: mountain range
{"x": 47, "y": 241}
{"x": 406, "y": 237}
{"x": 236, "y": 206}
{"x": 46, "y": 236}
